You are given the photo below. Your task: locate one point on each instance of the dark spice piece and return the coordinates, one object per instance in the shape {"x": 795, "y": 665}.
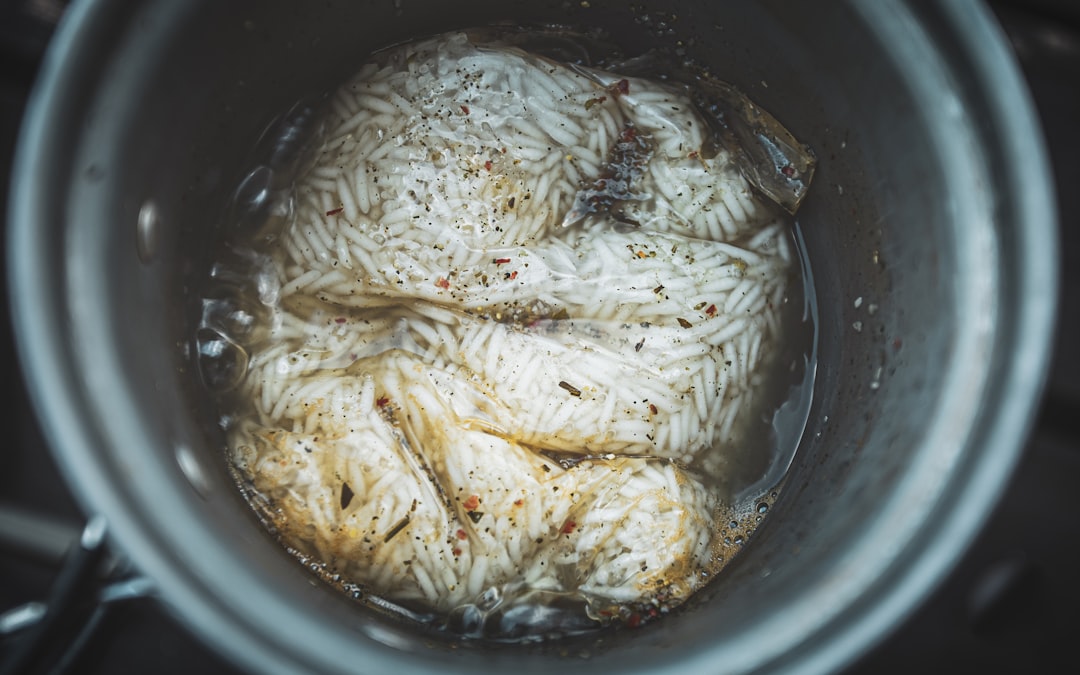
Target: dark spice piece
{"x": 346, "y": 496}
{"x": 574, "y": 391}
{"x": 396, "y": 528}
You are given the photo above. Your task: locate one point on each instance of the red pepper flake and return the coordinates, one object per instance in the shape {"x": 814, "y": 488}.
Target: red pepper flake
{"x": 340, "y": 319}
{"x": 457, "y": 552}
{"x": 634, "y": 620}
{"x": 710, "y": 310}
{"x": 568, "y": 527}
{"x": 693, "y": 154}
{"x": 620, "y": 88}
{"x": 501, "y": 261}
{"x": 465, "y": 109}
{"x": 461, "y": 535}
{"x": 652, "y": 408}
{"x": 382, "y": 401}
{"x": 472, "y": 503}
{"x": 487, "y": 165}
{"x": 519, "y": 502}
{"x": 334, "y": 212}
{"x": 442, "y": 282}
{"x": 513, "y": 275}
{"x": 788, "y": 171}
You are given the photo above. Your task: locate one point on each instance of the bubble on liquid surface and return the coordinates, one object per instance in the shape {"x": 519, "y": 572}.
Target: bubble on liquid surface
{"x": 222, "y": 362}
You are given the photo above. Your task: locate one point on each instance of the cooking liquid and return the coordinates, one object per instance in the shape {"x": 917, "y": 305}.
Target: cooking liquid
{"x": 237, "y": 309}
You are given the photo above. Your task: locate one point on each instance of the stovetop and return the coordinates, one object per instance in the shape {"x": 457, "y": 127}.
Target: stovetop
{"x": 1009, "y": 606}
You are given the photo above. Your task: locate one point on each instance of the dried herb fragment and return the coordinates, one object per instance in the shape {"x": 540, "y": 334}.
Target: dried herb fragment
{"x": 684, "y": 323}
{"x": 574, "y": 391}
{"x": 396, "y": 528}
{"x": 594, "y": 101}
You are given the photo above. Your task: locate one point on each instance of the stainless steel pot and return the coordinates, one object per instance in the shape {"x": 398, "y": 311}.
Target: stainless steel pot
{"x": 932, "y": 203}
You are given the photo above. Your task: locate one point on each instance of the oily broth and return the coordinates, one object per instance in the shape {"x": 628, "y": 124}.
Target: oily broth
{"x": 241, "y": 305}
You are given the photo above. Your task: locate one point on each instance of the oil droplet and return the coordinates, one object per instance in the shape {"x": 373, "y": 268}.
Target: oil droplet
{"x": 147, "y": 232}
{"x": 762, "y": 508}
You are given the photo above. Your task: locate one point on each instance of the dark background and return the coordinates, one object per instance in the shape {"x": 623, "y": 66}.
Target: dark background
{"x": 1011, "y": 605}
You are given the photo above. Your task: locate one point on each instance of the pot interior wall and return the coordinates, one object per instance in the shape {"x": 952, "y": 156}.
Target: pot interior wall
{"x": 180, "y": 95}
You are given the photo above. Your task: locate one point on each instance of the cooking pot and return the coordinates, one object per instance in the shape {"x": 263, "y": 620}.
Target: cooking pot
{"x": 930, "y": 230}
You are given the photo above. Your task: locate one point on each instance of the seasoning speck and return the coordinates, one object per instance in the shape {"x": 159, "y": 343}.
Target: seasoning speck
{"x": 574, "y": 391}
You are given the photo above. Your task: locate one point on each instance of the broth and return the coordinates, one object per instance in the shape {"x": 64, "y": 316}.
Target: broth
{"x": 338, "y": 309}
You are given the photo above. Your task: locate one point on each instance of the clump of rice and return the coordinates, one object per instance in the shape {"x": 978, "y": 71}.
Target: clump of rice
{"x": 475, "y": 379}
